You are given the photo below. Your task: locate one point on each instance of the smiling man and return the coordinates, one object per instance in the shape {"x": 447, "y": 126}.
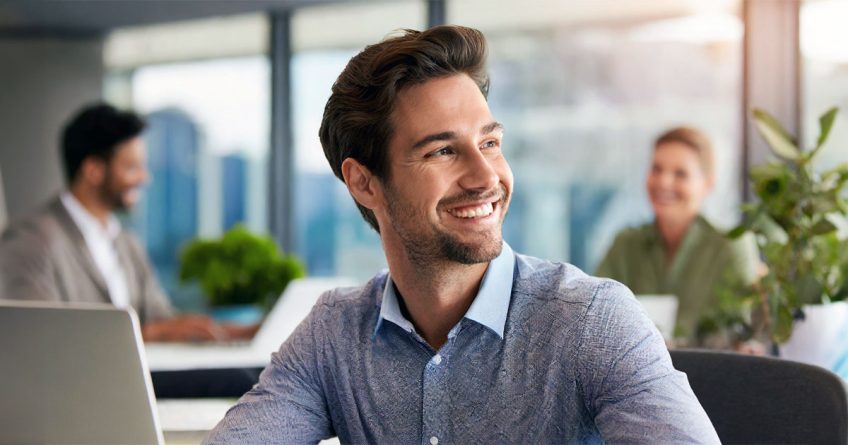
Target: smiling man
{"x": 74, "y": 249}
{"x": 461, "y": 340}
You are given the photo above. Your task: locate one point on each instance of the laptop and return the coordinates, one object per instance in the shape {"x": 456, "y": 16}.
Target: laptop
{"x": 289, "y": 310}
{"x": 662, "y": 310}
{"x": 73, "y": 375}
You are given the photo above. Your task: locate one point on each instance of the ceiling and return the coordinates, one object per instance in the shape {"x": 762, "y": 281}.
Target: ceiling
{"x": 91, "y": 17}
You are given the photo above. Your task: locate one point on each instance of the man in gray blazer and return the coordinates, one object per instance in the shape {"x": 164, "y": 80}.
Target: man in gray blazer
{"x": 75, "y": 250}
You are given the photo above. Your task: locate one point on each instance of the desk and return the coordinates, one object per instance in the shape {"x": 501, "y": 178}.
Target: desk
{"x": 188, "y": 421}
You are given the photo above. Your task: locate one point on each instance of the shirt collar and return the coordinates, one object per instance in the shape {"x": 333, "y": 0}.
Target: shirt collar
{"x": 87, "y": 222}
{"x": 490, "y": 306}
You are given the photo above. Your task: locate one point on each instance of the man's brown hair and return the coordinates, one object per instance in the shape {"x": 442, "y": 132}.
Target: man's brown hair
{"x": 693, "y": 138}
{"x": 356, "y": 121}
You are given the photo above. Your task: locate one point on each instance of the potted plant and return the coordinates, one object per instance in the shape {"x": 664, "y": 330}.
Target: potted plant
{"x": 239, "y": 269}
{"x": 800, "y": 223}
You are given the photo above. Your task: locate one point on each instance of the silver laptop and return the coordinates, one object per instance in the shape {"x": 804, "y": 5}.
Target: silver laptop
{"x": 662, "y": 310}
{"x": 289, "y": 310}
{"x": 73, "y": 375}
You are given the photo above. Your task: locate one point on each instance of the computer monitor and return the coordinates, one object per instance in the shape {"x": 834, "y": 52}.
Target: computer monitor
{"x": 73, "y": 375}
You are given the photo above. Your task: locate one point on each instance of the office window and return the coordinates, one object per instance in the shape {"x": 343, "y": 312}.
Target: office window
{"x": 208, "y": 113}
{"x": 825, "y": 76}
{"x": 330, "y": 233}
{"x": 583, "y": 88}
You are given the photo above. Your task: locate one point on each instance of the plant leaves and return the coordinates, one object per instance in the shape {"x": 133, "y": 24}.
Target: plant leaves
{"x": 778, "y": 139}
{"x": 821, "y": 227}
{"x": 825, "y": 124}
{"x": 240, "y": 267}
{"x": 782, "y": 329}
{"x": 738, "y": 231}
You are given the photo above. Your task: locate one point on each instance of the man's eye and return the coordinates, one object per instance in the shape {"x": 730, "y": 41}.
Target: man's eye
{"x": 491, "y": 144}
{"x": 440, "y": 152}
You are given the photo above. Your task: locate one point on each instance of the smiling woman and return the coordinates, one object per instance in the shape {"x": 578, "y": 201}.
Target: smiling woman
{"x": 680, "y": 252}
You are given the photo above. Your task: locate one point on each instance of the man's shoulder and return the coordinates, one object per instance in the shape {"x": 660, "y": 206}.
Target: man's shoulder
{"x": 547, "y": 281}
{"x": 355, "y": 298}
{"x": 568, "y": 303}
{"x": 39, "y": 227}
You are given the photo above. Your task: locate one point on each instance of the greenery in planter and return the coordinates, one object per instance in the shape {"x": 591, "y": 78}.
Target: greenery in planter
{"x": 800, "y": 222}
{"x": 239, "y": 268}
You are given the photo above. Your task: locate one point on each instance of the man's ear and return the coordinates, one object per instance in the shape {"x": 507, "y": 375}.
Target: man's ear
{"x": 92, "y": 171}
{"x": 362, "y": 184}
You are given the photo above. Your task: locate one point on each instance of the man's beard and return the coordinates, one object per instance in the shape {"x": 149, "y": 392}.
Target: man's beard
{"x": 427, "y": 247}
{"x": 113, "y": 195}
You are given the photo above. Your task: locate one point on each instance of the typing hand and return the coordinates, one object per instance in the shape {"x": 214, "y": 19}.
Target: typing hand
{"x": 184, "y": 328}
{"x": 240, "y": 331}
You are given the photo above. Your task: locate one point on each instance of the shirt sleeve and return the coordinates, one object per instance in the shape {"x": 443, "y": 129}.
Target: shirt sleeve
{"x": 288, "y": 405}
{"x": 630, "y": 384}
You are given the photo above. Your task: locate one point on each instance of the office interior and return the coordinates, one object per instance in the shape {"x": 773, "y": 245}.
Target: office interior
{"x": 234, "y": 93}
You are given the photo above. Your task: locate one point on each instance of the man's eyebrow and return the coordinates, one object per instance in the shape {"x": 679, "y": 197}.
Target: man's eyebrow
{"x": 443, "y": 136}
{"x": 448, "y": 135}
{"x": 488, "y": 128}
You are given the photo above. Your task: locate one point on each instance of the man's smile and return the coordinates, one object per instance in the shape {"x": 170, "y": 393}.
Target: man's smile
{"x": 474, "y": 211}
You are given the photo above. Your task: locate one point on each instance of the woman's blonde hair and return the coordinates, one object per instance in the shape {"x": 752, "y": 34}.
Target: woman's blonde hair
{"x": 694, "y": 139}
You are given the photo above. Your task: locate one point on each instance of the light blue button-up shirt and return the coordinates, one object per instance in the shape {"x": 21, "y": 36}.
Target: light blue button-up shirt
{"x": 545, "y": 354}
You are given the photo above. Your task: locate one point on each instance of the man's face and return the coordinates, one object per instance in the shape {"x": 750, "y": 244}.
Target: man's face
{"x": 125, "y": 174}
{"x": 449, "y": 185}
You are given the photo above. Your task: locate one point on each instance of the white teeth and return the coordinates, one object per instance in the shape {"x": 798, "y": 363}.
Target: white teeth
{"x": 474, "y": 212}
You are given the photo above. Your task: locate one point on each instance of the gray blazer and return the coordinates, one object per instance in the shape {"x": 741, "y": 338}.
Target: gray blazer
{"x": 45, "y": 257}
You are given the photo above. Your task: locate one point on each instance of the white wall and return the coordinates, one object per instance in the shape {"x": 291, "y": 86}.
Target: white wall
{"x": 42, "y": 82}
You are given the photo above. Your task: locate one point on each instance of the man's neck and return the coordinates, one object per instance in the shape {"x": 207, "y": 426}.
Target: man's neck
{"x": 92, "y": 205}
{"x": 436, "y": 296}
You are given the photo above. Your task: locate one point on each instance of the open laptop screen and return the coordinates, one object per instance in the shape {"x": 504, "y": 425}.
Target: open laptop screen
{"x": 73, "y": 375}
{"x": 662, "y": 310}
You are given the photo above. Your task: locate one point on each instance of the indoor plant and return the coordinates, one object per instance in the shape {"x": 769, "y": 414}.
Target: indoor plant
{"x": 240, "y": 268}
{"x": 799, "y": 222}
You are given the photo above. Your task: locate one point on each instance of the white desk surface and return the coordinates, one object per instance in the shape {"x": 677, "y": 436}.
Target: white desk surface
{"x": 188, "y": 421}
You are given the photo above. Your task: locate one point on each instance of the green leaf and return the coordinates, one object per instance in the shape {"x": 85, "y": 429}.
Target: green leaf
{"x": 767, "y": 226}
{"x": 821, "y": 227}
{"x": 778, "y": 139}
{"x": 783, "y": 321}
{"x": 825, "y": 124}
{"x": 840, "y": 172}
{"x": 738, "y": 231}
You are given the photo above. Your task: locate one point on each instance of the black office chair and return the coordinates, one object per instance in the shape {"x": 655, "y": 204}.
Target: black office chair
{"x": 199, "y": 383}
{"x": 765, "y": 400}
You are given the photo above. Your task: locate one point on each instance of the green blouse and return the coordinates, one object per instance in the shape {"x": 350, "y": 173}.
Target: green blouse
{"x": 705, "y": 260}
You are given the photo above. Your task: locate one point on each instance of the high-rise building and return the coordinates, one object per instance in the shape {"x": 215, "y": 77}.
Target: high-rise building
{"x": 169, "y": 216}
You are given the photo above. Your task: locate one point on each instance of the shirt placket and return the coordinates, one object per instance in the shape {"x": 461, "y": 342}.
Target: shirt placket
{"x": 435, "y": 397}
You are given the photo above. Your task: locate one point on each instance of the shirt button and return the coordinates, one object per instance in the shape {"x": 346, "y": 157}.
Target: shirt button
{"x": 437, "y": 359}
{"x": 434, "y": 440}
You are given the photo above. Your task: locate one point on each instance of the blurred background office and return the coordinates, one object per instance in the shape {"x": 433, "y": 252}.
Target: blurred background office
{"x": 234, "y": 93}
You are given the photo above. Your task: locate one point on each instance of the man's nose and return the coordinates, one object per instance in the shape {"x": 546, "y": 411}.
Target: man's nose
{"x": 478, "y": 172}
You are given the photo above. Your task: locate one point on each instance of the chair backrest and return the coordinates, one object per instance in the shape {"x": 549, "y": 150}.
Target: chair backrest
{"x": 765, "y": 400}
{"x": 3, "y": 214}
